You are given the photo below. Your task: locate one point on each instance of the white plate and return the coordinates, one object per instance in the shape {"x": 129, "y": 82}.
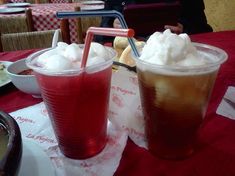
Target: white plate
{"x": 19, "y": 4}
{"x": 92, "y": 2}
{"x": 11, "y": 10}
{"x": 92, "y": 5}
{"x": 35, "y": 162}
{"x": 4, "y": 78}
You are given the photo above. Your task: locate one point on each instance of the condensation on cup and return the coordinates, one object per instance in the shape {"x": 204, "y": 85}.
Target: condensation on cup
{"x": 176, "y": 78}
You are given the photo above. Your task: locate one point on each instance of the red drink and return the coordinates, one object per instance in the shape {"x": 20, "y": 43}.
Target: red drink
{"x": 78, "y": 108}
{"x": 77, "y": 103}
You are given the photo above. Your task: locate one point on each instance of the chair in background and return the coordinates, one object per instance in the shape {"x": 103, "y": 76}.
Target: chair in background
{"x": 13, "y": 24}
{"x": 82, "y": 25}
{"x": 146, "y": 19}
{"x": 79, "y": 27}
{"x": 2, "y": 2}
{"x": 31, "y": 40}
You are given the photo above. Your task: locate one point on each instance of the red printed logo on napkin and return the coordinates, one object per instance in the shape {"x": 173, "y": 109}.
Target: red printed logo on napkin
{"x": 117, "y": 100}
{"x": 134, "y": 80}
{"x": 44, "y": 111}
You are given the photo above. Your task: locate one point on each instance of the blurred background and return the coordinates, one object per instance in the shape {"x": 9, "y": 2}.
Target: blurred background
{"x": 220, "y": 14}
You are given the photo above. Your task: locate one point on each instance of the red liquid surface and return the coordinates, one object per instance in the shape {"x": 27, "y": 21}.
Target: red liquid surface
{"x": 26, "y": 72}
{"x": 78, "y": 106}
{"x": 174, "y": 108}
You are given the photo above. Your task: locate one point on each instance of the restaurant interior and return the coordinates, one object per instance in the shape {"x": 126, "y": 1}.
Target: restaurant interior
{"x": 97, "y": 91}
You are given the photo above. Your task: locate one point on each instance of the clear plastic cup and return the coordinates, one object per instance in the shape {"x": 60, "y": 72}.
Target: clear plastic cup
{"x": 174, "y": 101}
{"x": 77, "y": 102}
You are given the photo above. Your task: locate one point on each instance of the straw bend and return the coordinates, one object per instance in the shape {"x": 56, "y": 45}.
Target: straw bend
{"x": 111, "y": 31}
{"x": 103, "y": 13}
{"x": 102, "y": 31}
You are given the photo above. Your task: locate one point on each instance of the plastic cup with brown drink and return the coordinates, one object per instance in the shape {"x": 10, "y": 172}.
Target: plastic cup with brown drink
{"x": 175, "y": 95}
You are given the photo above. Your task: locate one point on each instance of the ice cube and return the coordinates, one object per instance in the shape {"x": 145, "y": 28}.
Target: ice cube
{"x": 165, "y": 92}
{"x": 95, "y": 60}
{"x": 73, "y": 52}
{"x": 42, "y": 59}
{"x": 57, "y": 63}
{"x": 97, "y": 49}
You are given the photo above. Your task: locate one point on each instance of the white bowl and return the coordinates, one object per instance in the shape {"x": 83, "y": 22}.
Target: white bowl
{"x": 25, "y": 83}
{"x": 92, "y": 5}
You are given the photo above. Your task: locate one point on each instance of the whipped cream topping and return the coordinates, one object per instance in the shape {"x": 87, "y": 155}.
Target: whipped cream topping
{"x": 167, "y": 48}
{"x": 65, "y": 57}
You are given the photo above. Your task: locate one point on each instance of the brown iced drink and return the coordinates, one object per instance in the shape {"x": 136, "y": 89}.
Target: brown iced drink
{"x": 175, "y": 93}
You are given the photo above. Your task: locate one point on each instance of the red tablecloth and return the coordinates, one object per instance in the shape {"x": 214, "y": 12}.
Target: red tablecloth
{"x": 44, "y": 17}
{"x": 215, "y": 155}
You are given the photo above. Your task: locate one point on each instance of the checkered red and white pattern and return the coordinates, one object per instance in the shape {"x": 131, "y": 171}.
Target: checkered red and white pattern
{"x": 44, "y": 17}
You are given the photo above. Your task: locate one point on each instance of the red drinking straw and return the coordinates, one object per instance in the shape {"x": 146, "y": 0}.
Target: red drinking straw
{"x": 102, "y": 31}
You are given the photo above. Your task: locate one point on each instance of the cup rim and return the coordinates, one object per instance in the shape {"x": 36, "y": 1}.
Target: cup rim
{"x": 69, "y": 71}
{"x": 221, "y": 59}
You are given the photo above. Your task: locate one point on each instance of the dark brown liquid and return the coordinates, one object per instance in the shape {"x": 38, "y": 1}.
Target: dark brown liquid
{"x": 3, "y": 140}
{"x": 173, "y": 107}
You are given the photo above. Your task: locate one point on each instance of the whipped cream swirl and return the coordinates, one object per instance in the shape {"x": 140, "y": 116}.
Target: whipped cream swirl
{"x": 167, "y": 48}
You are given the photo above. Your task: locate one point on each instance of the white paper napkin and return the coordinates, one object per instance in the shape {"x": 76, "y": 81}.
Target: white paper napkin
{"x": 35, "y": 125}
{"x": 125, "y": 118}
{"x": 226, "y": 108}
{"x": 125, "y": 107}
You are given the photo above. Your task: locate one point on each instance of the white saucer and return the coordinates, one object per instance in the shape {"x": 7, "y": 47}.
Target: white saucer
{"x": 35, "y": 161}
{"x": 19, "y": 4}
{"x": 11, "y": 10}
{"x": 92, "y": 5}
